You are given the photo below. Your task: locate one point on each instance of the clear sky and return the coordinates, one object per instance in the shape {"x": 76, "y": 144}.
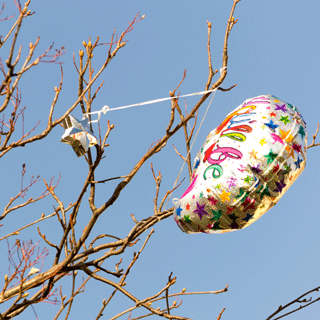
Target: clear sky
{"x": 273, "y": 49}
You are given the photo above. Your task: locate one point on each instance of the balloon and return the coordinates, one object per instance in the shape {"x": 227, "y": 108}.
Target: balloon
{"x": 244, "y": 167}
{"x": 78, "y": 135}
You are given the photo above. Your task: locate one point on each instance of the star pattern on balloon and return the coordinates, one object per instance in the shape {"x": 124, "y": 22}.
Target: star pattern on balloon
{"x": 276, "y": 168}
{"x": 280, "y": 185}
{"x": 225, "y": 196}
{"x": 284, "y": 119}
{"x": 297, "y": 163}
{"x": 296, "y": 147}
{"x": 242, "y": 194}
{"x": 234, "y": 225}
{"x": 216, "y": 214}
{"x": 247, "y": 179}
{"x": 232, "y": 182}
{"x": 290, "y": 151}
{"x": 200, "y": 210}
{"x": 212, "y": 200}
{"x": 282, "y": 108}
{"x": 178, "y": 211}
{"x": 288, "y": 169}
{"x": 270, "y": 156}
{"x": 187, "y": 218}
{"x": 196, "y": 165}
{"x": 286, "y": 135}
{"x": 301, "y": 132}
{"x": 248, "y": 217}
{"x": 252, "y": 205}
{"x": 253, "y": 154}
{"x": 78, "y": 135}
{"x": 216, "y": 226}
{"x": 271, "y": 125}
{"x": 262, "y": 141}
{"x": 264, "y": 191}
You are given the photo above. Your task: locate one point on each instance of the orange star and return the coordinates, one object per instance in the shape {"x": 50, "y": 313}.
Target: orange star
{"x": 290, "y": 151}
{"x": 187, "y": 206}
{"x": 224, "y": 196}
{"x": 286, "y": 136}
{"x": 253, "y": 154}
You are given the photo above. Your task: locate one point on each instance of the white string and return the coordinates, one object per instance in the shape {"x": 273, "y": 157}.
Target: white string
{"x": 106, "y": 108}
{"x": 176, "y": 201}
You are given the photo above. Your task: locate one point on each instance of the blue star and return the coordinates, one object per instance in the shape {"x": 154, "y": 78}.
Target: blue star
{"x": 297, "y": 163}
{"x": 248, "y": 217}
{"x": 196, "y": 165}
{"x": 271, "y": 125}
{"x": 178, "y": 211}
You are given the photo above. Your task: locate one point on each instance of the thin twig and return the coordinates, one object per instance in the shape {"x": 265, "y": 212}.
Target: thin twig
{"x": 313, "y": 144}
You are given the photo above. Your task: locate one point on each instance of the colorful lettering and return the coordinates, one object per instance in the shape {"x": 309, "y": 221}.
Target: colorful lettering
{"x": 235, "y": 136}
{"x": 235, "y": 113}
{"x": 216, "y": 173}
{"x": 225, "y": 153}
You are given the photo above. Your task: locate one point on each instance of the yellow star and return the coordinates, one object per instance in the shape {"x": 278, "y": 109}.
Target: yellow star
{"x": 262, "y": 206}
{"x": 286, "y": 136}
{"x": 276, "y": 100}
{"x": 224, "y": 196}
{"x": 262, "y": 141}
{"x": 253, "y": 154}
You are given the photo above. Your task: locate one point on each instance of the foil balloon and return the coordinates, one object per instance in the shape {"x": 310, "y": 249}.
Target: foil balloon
{"x": 78, "y": 135}
{"x": 244, "y": 167}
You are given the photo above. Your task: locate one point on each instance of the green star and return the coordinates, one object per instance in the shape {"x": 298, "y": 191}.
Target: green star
{"x": 247, "y": 179}
{"x": 201, "y": 194}
{"x": 216, "y": 226}
{"x": 218, "y": 186}
{"x": 285, "y": 119}
{"x": 288, "y": 169}
{"x": 264, "y": 191}
{"x": 216, "y": 214}
{"x": 201, "y": 150}
{"x": 241, "y": 193}
{"x": 271, "y": 156}
{"x": 187, "y": 218}
{"x": 291, "y": 106}
{"x": 301, "y": 132}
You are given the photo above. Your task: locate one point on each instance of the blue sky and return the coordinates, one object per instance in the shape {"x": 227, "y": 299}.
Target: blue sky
{"x": 273, "y": 49}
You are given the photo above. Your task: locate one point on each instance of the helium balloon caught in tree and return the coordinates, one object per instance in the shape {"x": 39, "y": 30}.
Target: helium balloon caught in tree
{"x": 244, "y": 167}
